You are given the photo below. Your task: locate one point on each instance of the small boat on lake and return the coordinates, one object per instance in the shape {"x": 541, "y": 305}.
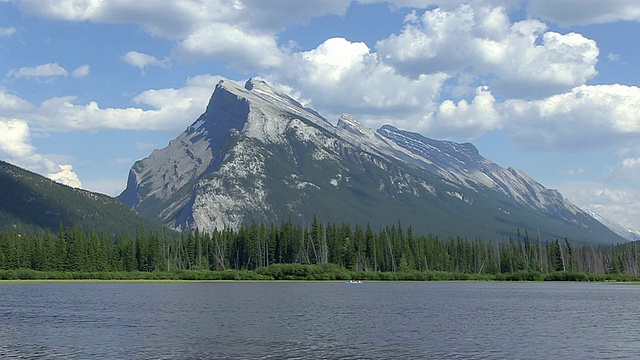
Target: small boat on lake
{"x": 354, "y": 282}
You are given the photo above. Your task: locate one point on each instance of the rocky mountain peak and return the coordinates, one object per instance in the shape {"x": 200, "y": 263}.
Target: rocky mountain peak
{"x": 347, "y": 122}
{"x": 253, "y": 83}
{"x": 256, "y": 154}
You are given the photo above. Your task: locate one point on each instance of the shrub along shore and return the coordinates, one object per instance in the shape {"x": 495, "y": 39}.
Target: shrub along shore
{"x": 308, "y": 272}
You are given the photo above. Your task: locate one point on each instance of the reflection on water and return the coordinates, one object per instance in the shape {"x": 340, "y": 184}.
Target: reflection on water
{"x": 326, "y": 320}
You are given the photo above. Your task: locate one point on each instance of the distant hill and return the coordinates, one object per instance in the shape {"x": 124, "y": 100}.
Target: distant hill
{"x": 258, "y": 155}
{"x": 31, "y": 202}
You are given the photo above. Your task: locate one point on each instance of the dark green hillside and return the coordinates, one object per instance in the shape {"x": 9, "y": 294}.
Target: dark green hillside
{"x": 30, "y": 202}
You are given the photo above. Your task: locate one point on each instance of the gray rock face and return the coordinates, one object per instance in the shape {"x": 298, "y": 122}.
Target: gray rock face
{"x": 462, "y": 164}
{"x": 258, "y": 155}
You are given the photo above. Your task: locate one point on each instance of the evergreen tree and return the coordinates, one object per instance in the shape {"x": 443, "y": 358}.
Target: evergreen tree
{"x": 558, "y": 257}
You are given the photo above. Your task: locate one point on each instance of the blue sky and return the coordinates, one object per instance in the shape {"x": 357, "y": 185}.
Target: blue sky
{"x": 551, "y": 87}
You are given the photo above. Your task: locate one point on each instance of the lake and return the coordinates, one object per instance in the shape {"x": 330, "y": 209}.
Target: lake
{"x": 319, "y": 320}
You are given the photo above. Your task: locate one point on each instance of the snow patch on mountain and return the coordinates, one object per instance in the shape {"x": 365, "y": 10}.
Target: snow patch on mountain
{"x": 337, "y": 180}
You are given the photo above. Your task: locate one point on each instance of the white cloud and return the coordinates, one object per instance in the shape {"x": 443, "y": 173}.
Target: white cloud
{"x": 172, "y": 109}
{"x": 177, "y": 19}
{"x": 343, "y": 76}
{"x": 47, "y": 72}
{"x": 142, "y": 61}
{"x": 631, "y": 163}
{"x": 7, "y": 32}
{"x": 587, "y": 117}
{"x": 68, "y": 10}
{"x": 242, "y": 32}
{"x": 168, "y": 109}
{"x": 613, "y": 57}
{"x": 627, "y": 170}
{"x": 11, "y": 105}
{"x": 618, "y": 204}
{"x": 229, "y": 42}
{"x": 464, "y": 119}
{"x": 575, "y": 171}
{"x": 14, "y": 138}
{"x": 445, "y": 4}
{"x": 81, "y": 71}
{"x": 16, "y": 148}
{"x": 66, "y": 176}
{"x": 482, "y": 40}
{"x": 583, "y": 12}
{"x": 44, "y": 71}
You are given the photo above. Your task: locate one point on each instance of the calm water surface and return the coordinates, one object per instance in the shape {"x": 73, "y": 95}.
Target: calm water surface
{"x": 325, "y": 320}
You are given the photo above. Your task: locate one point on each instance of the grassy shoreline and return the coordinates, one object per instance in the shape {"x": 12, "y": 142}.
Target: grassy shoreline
{"x": 298, "y": 272}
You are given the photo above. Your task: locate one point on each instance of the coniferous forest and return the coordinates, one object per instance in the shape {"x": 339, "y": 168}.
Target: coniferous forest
{"x": 317, "y": 252}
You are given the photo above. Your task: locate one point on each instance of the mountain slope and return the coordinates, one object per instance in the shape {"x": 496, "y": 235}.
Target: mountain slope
{"x": 30, "y": 202}
{"x": 628, "y": 234}
{"x": 258, "y": 155}
{"x": 463, "y": 165}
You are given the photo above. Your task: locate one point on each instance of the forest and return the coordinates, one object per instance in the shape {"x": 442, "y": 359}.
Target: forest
{"x": 316, "y": 252}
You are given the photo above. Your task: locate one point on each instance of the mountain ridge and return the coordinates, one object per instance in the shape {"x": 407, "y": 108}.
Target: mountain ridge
{"x": 258, "y": 155}
{"x": 30, "y": 203}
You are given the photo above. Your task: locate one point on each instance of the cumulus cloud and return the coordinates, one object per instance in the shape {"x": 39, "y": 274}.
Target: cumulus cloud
{"x": 66, "y": 176}
{"x": 228, "y": 30}
{"x": 11, "y": 105}
{"x": 16, "y": 148}
{"x": 575, "y": 171}
{"x": 469, "y": 42}
{"x": 44, "y": 71}
{"x": 618, "y": 204}
{"x": 627, "y": 170}
{"x": 47, "y": 72}
{"x": 7, "y": 31}
{"x": 343, "y": 76}
{"x": 583, "y": 12}
{"x": 81, "y": 71}
{"x": 171, "y": 109}
{"x": 631, "y": 164}
{"x": 14, "y": 138}
{"x": 445, "y": 4}
{"x": 464, "y": 119}
{"x": 186, "y": 15}
{"x": 166, "y": 109}
{"x": 587, "y": 117}
{"x": 142, "y": 61}
{"x": 244, "y": 50}
{"x": 483, "y": 40}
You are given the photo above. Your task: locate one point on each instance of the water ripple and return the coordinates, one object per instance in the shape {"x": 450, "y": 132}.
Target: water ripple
{"x": 318, "y": 321}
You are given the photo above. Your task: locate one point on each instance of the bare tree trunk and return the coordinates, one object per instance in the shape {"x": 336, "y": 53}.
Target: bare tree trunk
{"x": 393, "y": 260}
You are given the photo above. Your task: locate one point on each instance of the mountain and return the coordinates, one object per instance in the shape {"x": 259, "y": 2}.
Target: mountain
{"x": 31, "y": 202}
{"x": 628, "y": 234}
{"x": 258, "y": 155}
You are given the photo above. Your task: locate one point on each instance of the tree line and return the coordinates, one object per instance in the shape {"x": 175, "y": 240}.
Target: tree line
{"x": 354, "y": 248}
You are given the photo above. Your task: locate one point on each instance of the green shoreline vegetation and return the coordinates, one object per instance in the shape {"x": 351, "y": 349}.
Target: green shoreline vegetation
{"x": 320, "y": 252}
{"x": 302, "y": 272}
